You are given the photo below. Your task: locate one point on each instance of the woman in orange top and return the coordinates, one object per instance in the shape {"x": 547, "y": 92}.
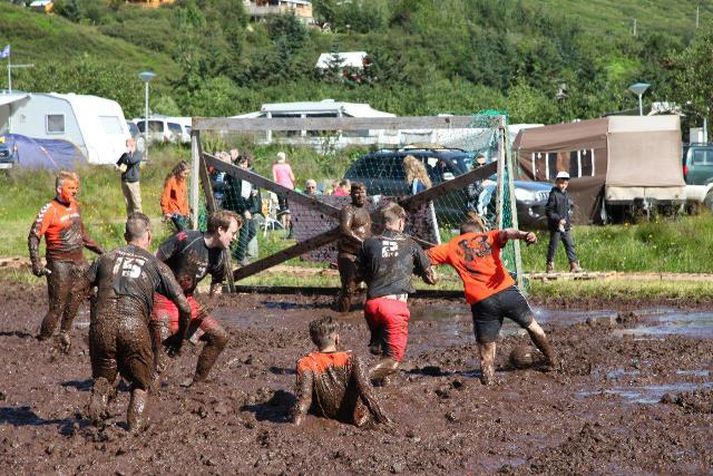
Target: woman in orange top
{"x": 174, "y": 199}
{"x": 489, "y": 289}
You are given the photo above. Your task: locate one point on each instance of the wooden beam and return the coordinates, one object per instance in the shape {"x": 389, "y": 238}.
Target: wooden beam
{"x": 443, "y": 188}
{"x": 260, "y": 181}
{"x": 288, "y": 253}
{"x": 331, "y": 123}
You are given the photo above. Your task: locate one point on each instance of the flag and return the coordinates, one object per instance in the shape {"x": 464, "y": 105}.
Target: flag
{"x": 5, "y": 53}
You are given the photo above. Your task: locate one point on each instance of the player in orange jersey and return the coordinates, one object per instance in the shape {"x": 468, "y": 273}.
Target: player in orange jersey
{"x": 335, "y": 384}
{"x": 60, "y": 223}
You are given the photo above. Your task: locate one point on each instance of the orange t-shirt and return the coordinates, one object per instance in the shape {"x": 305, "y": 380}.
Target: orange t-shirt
{"x": 64, "y": 233}
{"x": 319, "y": 362}
{"x": 174, "y": 198}
{"x": 476, "y": 258}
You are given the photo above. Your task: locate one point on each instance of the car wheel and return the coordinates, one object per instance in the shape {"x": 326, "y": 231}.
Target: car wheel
{"x": 708, "y": 201}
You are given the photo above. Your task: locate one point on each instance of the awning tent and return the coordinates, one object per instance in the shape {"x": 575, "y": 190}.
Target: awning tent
{"x": 618, "y": 159}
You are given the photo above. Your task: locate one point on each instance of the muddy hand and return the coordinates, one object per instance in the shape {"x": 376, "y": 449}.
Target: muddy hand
{"x": 39, "y": 271}
{"x": 173, "y": 345}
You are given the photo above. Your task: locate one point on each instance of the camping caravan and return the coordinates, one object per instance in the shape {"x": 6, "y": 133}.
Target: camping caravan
{"x": 616, "y": 163}
{"x": 95, "y": 126}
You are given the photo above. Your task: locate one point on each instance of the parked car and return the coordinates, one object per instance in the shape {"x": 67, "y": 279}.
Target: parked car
{"x": 383, "y": 174}
{"x": 167, "y": 129}
{"x": 697, "y": 163}
{"x": 7, "y": 157}
{"x": 530, "y": 201}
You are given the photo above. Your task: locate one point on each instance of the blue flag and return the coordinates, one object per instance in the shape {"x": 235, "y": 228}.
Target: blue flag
{"x": 5, "y": 52}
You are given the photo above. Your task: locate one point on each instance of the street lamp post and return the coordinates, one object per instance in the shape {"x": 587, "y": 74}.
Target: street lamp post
{"x": 639, "y": 89}
{"x": 146, "y": 77}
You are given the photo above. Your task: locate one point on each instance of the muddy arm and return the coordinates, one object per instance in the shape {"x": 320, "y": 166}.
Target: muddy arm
{"x": 305, "y": 382}
{"x": 366, "y": 391}
{"x": 345, "y": 225}
{"x": 513, "y": 234}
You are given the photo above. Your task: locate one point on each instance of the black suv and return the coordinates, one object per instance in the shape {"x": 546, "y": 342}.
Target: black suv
{"x": 383, "y": 174}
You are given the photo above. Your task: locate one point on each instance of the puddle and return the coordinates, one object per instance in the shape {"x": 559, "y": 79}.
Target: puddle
{"x": 648, "y": 394}
{"x": 692, "y": 324}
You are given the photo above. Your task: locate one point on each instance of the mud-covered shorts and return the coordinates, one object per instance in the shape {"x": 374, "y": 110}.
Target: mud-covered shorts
{"x": 165, "y": 311}
{"x": 389, "y": 317}
{"x": 488, "y": 314}
{"x": 122, "y": 345}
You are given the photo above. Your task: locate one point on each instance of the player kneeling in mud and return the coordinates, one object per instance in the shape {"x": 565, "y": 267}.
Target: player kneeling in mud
{"x": 386, "y": 263}
{"x": 335, "y": 384}
{"x": 119, "y": 339}
{"x": 192, "y": 255}
{"x": 490, "y": 290}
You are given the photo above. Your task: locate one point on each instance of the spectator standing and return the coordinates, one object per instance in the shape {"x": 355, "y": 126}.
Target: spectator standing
{"x": 243, "y": 198}
{"x": 418, "y": 180}
{"x": 282, "y": 174}
{"x": 174, "y": 199}
{"x": 311, "y": 187}
{"x": 558, "y": 210}
{"x": 342, "y": 189}
{"x": 129, "y": 163}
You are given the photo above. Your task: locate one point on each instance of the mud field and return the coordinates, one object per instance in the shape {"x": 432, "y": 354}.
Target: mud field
{"x": 635, "y": 397}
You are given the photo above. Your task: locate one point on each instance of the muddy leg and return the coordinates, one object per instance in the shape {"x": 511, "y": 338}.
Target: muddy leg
{"x": 216, "y": 340}
{"x": 156, "y": 328}
{"x": 538, "y": 337}
{"x": 383, "y": 369}
{"x": 56, "y": 295}
{"x": 99, "y": 400}
{"x": 487, "y": 362}
{"x": 78, "y": 292}
{"x": 135, "y": 413}
{"x": 347, "y": 275}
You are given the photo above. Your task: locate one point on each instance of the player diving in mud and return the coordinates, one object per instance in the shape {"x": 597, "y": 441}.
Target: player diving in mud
{"x": 334, "y": 383}
{"x": 192, "y": 255}
{"x": 119, "y": 340}
{"x": 60, "y": 223}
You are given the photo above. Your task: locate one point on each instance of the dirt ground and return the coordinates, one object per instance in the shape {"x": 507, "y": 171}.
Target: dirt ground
{"x": 603, "y": 414}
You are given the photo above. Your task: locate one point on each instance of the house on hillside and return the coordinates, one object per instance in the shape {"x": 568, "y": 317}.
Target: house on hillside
{"x": 93, "y": 125}
{"x": 301, "y": 9}
{"x": 346, "y": 59}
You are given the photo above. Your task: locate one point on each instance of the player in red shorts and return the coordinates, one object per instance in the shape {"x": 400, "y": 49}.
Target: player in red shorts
{"x": 490, "y": 290}
{"x": 386, "y": 263}
{"x": 334, "y": 383}
{"x": 60, "y": 223}
{"x": 192, "y": 255}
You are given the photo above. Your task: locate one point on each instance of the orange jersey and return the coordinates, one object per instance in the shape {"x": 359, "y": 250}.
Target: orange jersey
{"x": 174, "y": 198}
{"x": 476, "y": 258}
{"x": 320, "y": 362}
{"x": 64, "y": 232}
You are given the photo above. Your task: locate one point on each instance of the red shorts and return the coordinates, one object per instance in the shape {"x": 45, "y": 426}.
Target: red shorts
{"x": 390, "y": 317}
{"x": 164, "y": 310}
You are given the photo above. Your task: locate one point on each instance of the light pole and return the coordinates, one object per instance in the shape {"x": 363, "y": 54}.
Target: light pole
{"x": 146, "y": 77}
{"x": 639, "y": 89}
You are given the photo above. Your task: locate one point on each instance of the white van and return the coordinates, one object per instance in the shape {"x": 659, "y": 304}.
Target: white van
{"x": 166, "y": 129}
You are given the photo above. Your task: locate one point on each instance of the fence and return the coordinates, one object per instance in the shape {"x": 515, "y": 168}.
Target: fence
{"x": 450, "y": 183}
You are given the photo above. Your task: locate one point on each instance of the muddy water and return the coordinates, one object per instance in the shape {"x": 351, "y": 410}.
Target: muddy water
{"x": 601, "y": 415}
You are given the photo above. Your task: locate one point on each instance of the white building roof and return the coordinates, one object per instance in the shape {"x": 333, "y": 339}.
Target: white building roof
{"x": 354, "y": 59}
{"x": 325, "y": 106}
{"x": 6, "y": 99}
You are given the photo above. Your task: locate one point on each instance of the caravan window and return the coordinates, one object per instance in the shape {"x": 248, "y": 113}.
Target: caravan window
{"x": 111, "y": 125}
{"x": 579, "y": 163}
{"x": 55, "y": 123}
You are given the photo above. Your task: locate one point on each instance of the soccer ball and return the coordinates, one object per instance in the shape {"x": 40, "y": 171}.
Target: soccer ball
{"x": 523, "y": 356}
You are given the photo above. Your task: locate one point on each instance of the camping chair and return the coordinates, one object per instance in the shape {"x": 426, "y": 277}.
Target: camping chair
{"x": 269, "y": 211}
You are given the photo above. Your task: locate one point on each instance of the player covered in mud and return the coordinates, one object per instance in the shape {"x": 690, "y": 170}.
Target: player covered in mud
{"x": 386, "y": 263}
{"x": 355, "y": 226}
{"x": 60, "y": 223}
{"x": 119, "y": 340}
{"x": 334, "y": 384}
{"x": 490, "y": 290}
{"x": 192, "y": 255}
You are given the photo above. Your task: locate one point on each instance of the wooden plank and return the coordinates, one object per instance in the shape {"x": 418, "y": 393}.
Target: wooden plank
{"x": 262, "y": 182}
{"x": 332, "y": 291}
{"x": 330, "y": 123}
{"x": 443, "y": 188}
{"x": 288, "y": 253}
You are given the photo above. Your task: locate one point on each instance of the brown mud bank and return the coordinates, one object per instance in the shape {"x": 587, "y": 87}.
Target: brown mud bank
{"x": 635, "y": 397}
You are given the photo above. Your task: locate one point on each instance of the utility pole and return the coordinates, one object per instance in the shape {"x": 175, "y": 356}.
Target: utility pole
{"x": 634, "y": 26}
{"x": 698, "y": 15}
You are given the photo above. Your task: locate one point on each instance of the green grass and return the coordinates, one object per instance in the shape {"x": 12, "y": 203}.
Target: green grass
{"x": 622, "y": 290}
{"x": 682, "y": 245}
